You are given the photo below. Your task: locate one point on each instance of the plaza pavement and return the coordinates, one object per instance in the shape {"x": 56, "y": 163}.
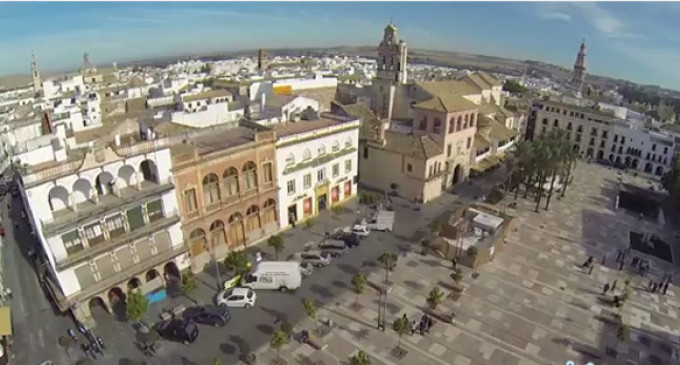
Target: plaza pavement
{"x": 531, "y": 305}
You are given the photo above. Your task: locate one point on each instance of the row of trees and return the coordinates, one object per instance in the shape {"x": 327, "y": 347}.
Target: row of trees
{"x": 546, "y": 160}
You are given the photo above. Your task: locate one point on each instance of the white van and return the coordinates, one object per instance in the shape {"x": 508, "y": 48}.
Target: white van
{"x": 277, "y": 275}
{"x": 381, "y": 221}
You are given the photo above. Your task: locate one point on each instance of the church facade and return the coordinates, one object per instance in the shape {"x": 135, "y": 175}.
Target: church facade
{"x": 421, "y": 138}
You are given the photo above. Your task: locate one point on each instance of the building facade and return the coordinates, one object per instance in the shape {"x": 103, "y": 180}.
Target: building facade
{"x": 316, "y": 161}
{"x": 107, "y": 220}
{"x": 226, "y": 183}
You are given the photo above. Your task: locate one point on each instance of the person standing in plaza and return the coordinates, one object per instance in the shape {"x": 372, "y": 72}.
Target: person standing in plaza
{"x": 665, "y": 288}
{"x": 605, "y": 289}
{"x": 590, "y": 270}
{"x": 613, "y": 288}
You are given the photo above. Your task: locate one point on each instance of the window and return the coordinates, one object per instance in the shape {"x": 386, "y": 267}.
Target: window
{"x": 593, "y": 132}
{"x": 335, "y": 170}
{"x": 211, "y": 189}
{"x": 616, "y": 138}
{"x": 348, "y": 166}
{"x": 665, "y": 150}
{"x": 115, "y": 225}
{"x": 336, "y": 146}
{"x": 423, "y": 124}
{"x": 409, "y": 167}
{"x": 601, "y": 144}
{"x": 307, "y": 181}
{"x": 320, "y": 174}
{"x": 250, "y": 170}
{"x": 569, "y": 126}
{"x": 290, "y": 186}
{"x": 267, "y": 173}
{"x": 231, "y": 181}
{"x": 448, "y": 150}
{"x": 348, "y": 142}
{"x": 135, "y": 218}
{"x": 579, "y": 129}
{"x": 605, "y": 134}
{"x": 469, "y": 142}
{"x": 365, "y": 153}
{"x": 451, "y": 125}
{"x": 321, "y": 150}
{"x": 459, "y": 123}
{"x": 72, "y": 242}
{"x": 472, "y": 120}
{"x": 290, "y": 160}
{"x": 437, "y": 125}
{"x": 190, "y": 200}
{"x": 545, "y": 121}
{"x": 94, "y": 234}
{"x": 465, "y": 121}
{"x": 307, "y": 155}
{"x": 154, "y": 210}
{"x": 556, "y": 123}
{"x": 653, "y": 146}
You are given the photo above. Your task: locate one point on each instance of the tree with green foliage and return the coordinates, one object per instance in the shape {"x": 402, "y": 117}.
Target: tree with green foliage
{"x": 276, "y": 242}
{"x": 310, "y": 309}
{"x": 279, "y": 339}
{"x": 388, "y": 261}
{"x": 189, "y": 285}
{"x": 435, "y": 297}
{"x": 359, "y": 282}
{"x": 237, "y": 262}
{"x": 514, "y": 87}
{"x": 136, "y": 305}
{"x": 401, "y": 326}
{"x": 360, "y": 358}
{"x": 458, "y": 275}
{"x": 218, "y": 361}
{"x": 287, "y": 328}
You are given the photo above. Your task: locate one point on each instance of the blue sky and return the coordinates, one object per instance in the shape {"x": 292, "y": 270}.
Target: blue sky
{"x": 635, "y": 41}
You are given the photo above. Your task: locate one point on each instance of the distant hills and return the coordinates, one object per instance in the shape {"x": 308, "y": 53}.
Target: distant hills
{"x": 439, "y": 58}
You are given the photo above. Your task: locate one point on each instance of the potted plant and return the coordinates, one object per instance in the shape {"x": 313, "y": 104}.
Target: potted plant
{"x": 434, "y": 298}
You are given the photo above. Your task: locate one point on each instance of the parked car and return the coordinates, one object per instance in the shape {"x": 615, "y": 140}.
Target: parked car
{"x": 315, "y": 258}
{"x": 209, "y": 314}
{"x": 237, "y": 298}
{"x": 361, "y": 230}
{"x": 350, "y": 239}
{"x": 306, "y": 269}
{"x": 178, "y": 330}
{"x": 335, "y": 248}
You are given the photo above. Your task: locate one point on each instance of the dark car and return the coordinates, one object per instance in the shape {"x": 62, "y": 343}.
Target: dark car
{"x": 350, "y": 239}
{"x": 335, "y": 248}
{"x": 211, "y": 315}
{"x": 178, "y": 330}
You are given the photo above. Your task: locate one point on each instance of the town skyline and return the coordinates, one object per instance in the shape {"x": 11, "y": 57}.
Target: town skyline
{"x": 617, "y": 46}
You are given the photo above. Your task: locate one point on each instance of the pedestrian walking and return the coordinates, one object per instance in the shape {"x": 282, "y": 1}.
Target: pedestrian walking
{"x": 654, "y": 288}
{"x": 621, "y": 265}
{"x": 590, "y": 270}
{"x": 618, "y": 254}
{"x": 665, "y": 288}
{"x": 604, "y": 259}
{"x": 414, "y": 327}
{"x": 613, "y": 286}
{"x": 605, "y": 289}
{"x": 454, "y": 263}
{"x": 421, "y": 327}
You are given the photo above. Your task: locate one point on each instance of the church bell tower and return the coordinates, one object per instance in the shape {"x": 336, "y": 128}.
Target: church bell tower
{"x": 391, "y": 73}
{"x": 35, "y": 75}
{"x": 578, "y": 75}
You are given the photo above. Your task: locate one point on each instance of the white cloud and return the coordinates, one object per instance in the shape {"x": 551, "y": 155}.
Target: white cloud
{"x": 554, "y": 15}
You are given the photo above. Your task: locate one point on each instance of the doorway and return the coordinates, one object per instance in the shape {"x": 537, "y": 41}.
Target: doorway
{"x": 322, "y": 202}
{"x": 292, "y": 214}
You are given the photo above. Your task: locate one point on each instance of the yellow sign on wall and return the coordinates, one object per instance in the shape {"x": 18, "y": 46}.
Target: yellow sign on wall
{"x": 283, "y": 89}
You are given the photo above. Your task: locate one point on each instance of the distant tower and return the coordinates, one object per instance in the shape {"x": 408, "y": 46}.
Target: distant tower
{"x": 578, "y": 76}
{"x": 392, "y": 55}
{"x": 260, "y": 60}
{"x": 87, "y": 67}
{"x": 35, "y": 75}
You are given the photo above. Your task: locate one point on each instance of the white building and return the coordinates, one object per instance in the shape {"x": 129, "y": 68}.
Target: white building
{"x": 316, "y": 161}
{"x": 107, "y": 221}
{"x": 206, "y": 109}
{"x": 642, "y": 150}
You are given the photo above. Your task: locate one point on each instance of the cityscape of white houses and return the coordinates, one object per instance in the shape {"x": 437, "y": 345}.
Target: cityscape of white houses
{"x": 317, "y": 164}
{"x": 107, "y": 220}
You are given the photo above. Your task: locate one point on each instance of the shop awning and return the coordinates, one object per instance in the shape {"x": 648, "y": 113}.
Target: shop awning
{"x": 5, "y": 321}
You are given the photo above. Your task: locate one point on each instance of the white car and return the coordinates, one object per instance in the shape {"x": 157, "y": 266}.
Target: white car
{"x": 361, "y": 230}
{"x": 237, "y": 298}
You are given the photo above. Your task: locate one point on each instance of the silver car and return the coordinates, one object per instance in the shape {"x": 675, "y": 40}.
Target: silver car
{"x": 314, "y": 258}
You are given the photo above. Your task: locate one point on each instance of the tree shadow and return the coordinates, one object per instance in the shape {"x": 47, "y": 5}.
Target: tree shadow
{"x": 228, "y": 348}
{"x": 414, "y": 285}
{"x": 265, "y": 329}
{"x": 320, "y": 290}
{"x": 339, "y": 284}
{"x": 347, "y": 269}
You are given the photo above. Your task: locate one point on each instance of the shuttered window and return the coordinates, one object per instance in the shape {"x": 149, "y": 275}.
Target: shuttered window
{"x": 72, "y": 242}
{"x": 135, "y": 218}
{"x": 154, "y": 210}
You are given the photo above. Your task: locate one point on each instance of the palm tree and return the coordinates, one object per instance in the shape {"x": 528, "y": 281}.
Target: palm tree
{"x": 570, "y": 158}
{"x": 237, "y": 261}
{"x": 276, "y": 242}
{"x": 558, "y": 145}
{"x": 522, "y": 152}
{"x": 400, "y": 326}
{"x": 435, "y": 297}
{"x": 542, "y": 157}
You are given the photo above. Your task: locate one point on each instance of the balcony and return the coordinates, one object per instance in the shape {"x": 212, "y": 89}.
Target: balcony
{"x": 124, "y": 239}
{"x": 105, "y": 284}
{"x": 69, "y": 218}
{"x": 319, "y": 160}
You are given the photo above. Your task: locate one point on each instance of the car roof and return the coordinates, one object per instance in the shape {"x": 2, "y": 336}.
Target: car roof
{"x": 239, "y": 291}
{"x": 313, "y": 252}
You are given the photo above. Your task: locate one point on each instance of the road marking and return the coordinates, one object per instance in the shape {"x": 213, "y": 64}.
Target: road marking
{"x": 41, "y": 338}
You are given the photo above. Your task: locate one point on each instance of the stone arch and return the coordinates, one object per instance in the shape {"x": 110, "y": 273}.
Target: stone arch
{"x": 575, "y": 148}
{"x": 170, "y": 270}
{"x": 97, "y": 306}
{"x": 211, "y": 189}
{"x": 231, "y": 183}
{"x": 659, "y": 171}
{"x": 127, "y": 175}
{"x": 117, "y": 300}
{"x": 82, "y": 190}
{"x": 600, "y": 155}
{"x": 253, "y": 218}
{"x": 217, "y": 233}
{"x": 149, "y": 171}
{"x": 236, "y": 230}
{"x": 269, "y": 211}
{"x": 250, "y": 175}
{"x": 151, "y": 274}
{"x": 611, "y": 157}
{"x": 589, "y": 152}
{"x": 635, "y": 163}
{"x": 104, "y": 183}
{"x": 58, "y": 198}
{"x": 628, "y": 160}
{"x": 290, "y": 159}
{"x": 649, "y": 167}
{"x": 618, "y": 160}
{"x": 197, "y": 241}
{"x": 134, "y": 283}
{"x": 116, "y": 294}
{"x": 457, "y": 174}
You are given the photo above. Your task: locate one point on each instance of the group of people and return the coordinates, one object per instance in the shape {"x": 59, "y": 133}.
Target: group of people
{"x": 640, "y": 265}
{"x": 423, "y": 326}
{"x": 660, "y": 286}
{"x": 589, "y": 264}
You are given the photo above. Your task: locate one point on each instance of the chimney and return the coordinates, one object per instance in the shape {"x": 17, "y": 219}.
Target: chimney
{"x": 116, "y": 140}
